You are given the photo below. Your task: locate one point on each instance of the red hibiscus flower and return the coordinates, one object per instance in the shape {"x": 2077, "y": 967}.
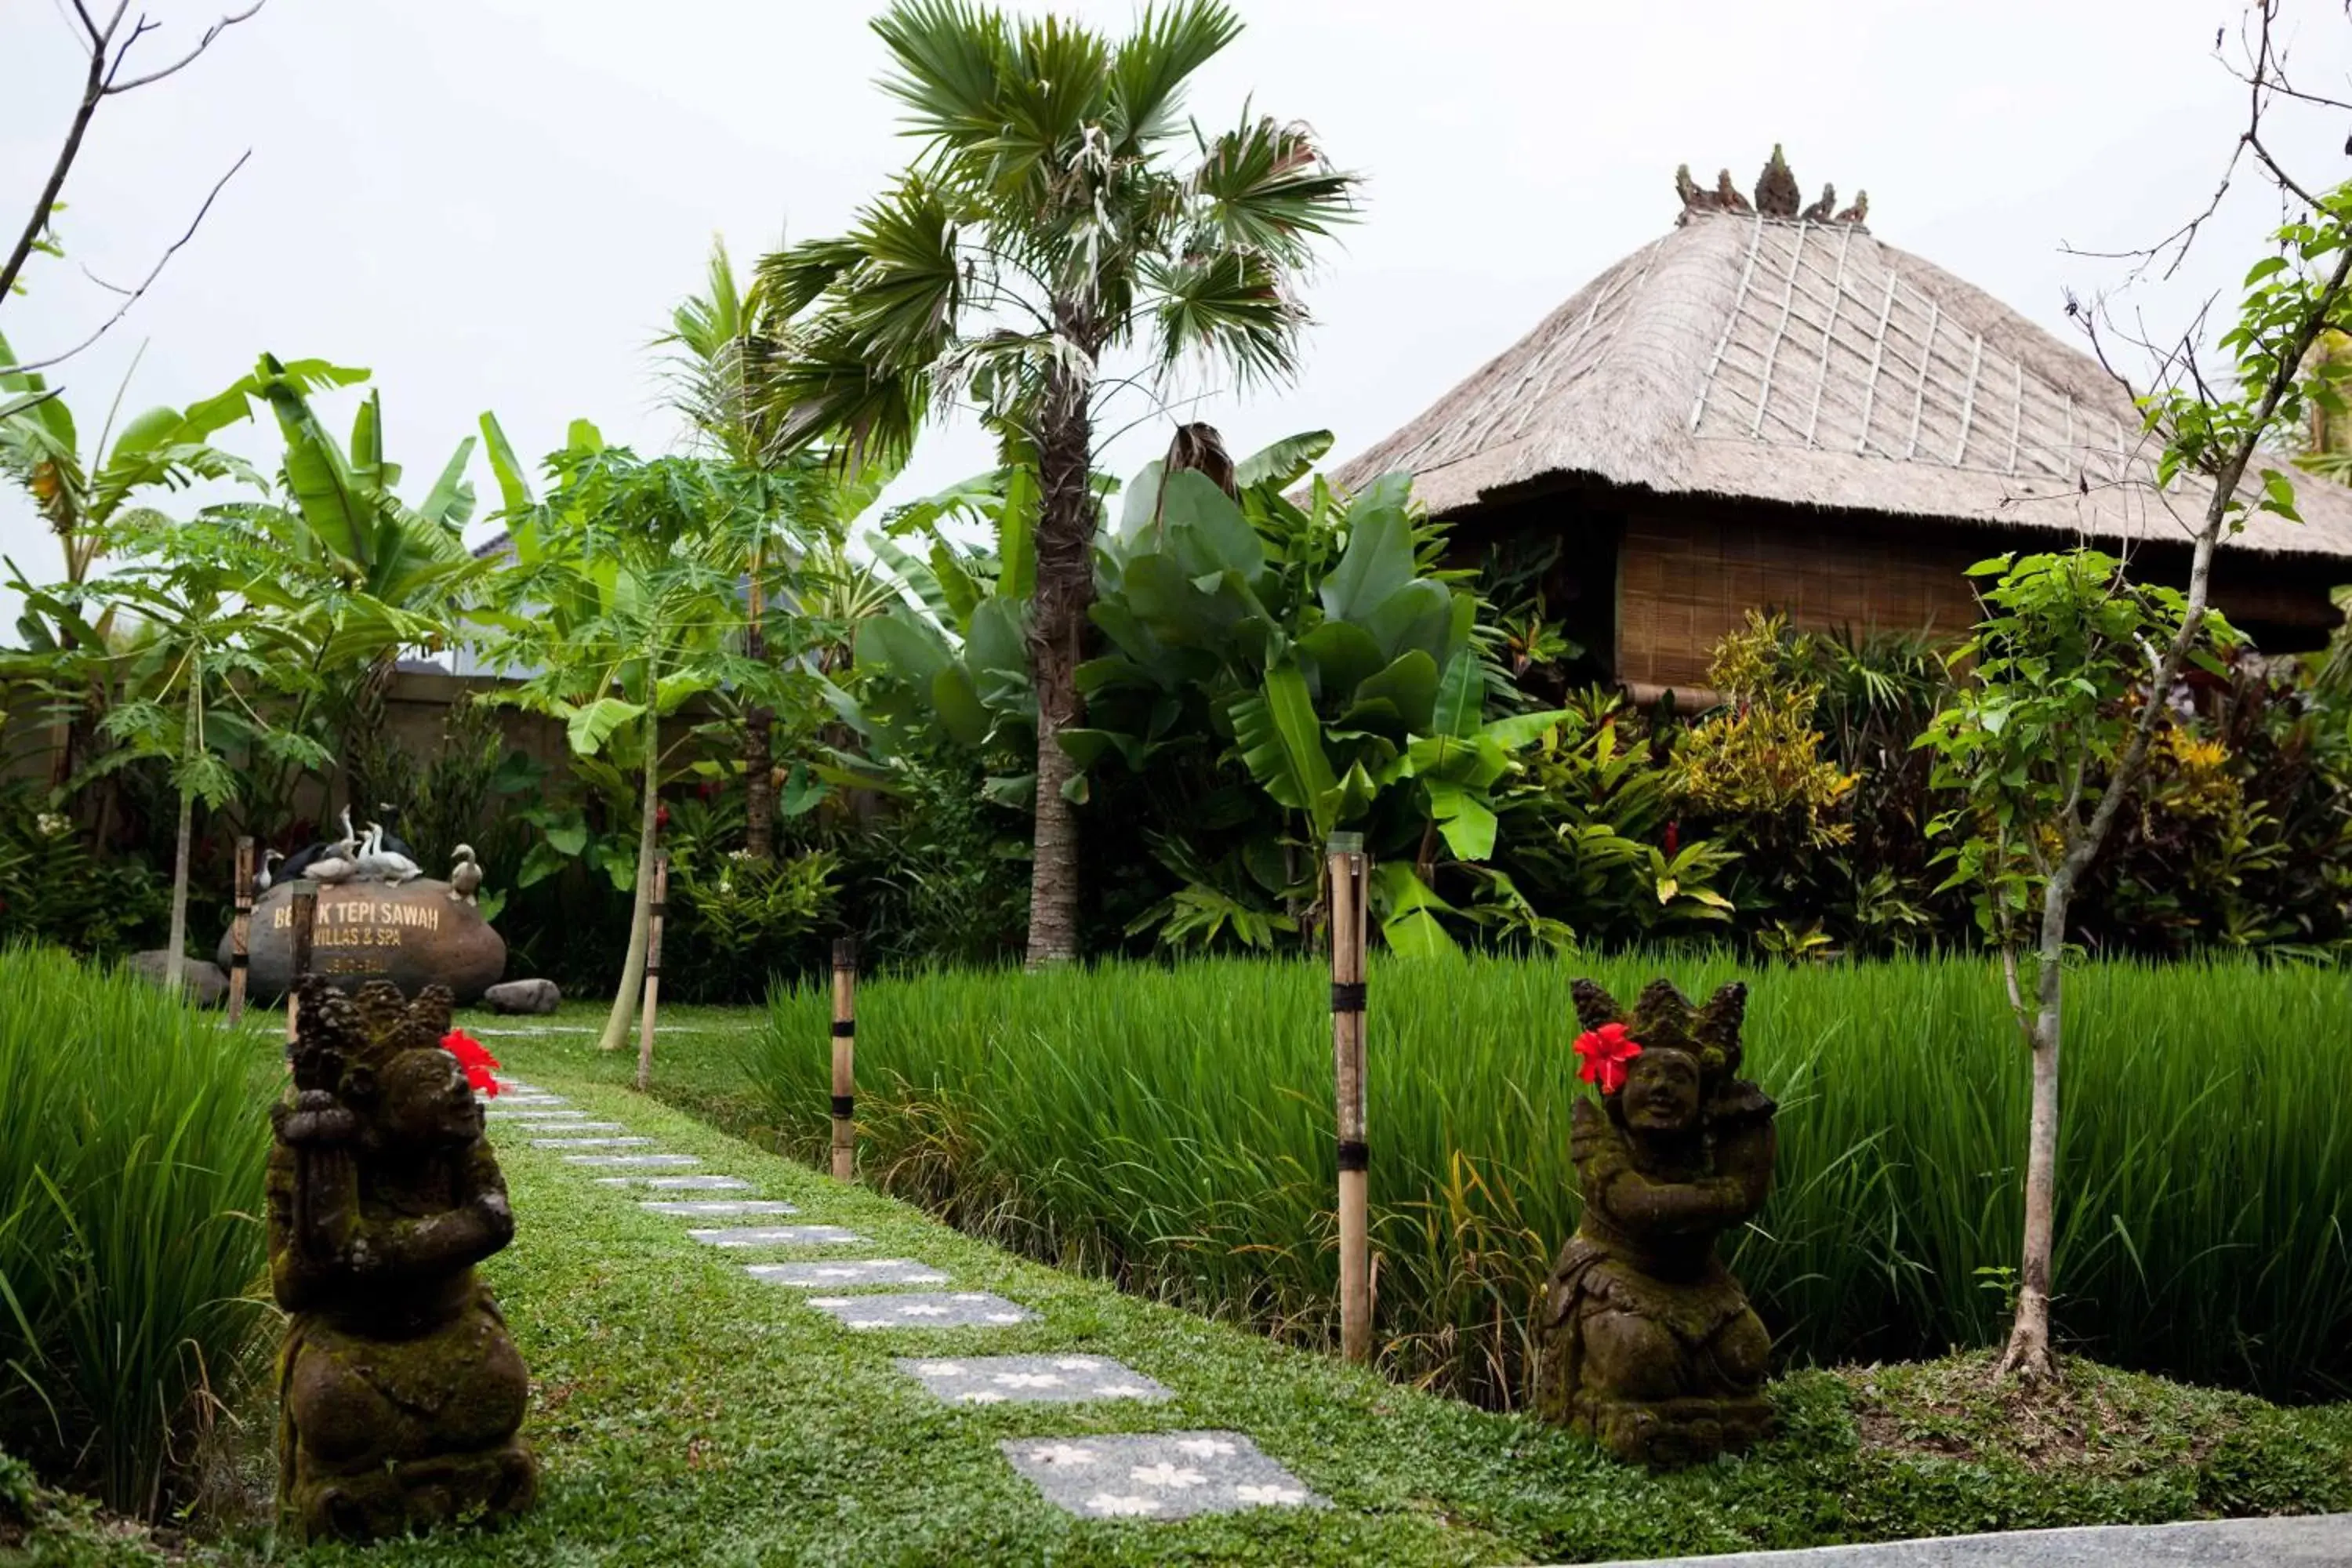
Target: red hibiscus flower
{"x": 1606, "y": 1050}
{"x": 475, "y": 1058}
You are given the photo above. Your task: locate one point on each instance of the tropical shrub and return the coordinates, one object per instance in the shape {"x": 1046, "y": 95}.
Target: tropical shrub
{"x": 131, "y": 1147}
{"x": 1170, "y": 1125}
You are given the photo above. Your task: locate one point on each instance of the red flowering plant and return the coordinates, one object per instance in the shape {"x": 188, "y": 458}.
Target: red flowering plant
{"x": 1606, "y": 1050}
{"x": 475, "y": 1058}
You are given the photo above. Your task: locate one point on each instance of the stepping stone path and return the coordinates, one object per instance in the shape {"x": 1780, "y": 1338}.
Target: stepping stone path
{"x": 678, "y": 1184}
{"x": 1143, "y": 1475}
{"x": 925, "y": 1309}
{"x": 1166, "y": 1475}
{"x": 779, "y": 1236}
{"x": 1029, "y": 1379}
{"x": 847, "y": 1272}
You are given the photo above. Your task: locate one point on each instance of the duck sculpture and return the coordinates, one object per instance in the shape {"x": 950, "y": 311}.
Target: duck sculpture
{"x": 262, "y": 879}
{"x": 378, "y": 863}
{"x": 341, "y": 863}
{"x": 466, "y": 876}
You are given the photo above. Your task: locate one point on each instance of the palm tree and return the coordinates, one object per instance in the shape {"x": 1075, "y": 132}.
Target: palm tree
{"x": 1044, "y": 225}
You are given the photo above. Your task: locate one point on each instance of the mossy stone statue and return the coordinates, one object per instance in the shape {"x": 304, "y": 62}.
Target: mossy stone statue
{"x": 1650, "y": 1345}
{"x": 400, "y": 1392}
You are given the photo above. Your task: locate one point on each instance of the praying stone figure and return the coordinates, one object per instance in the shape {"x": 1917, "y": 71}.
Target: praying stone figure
{"x": 1649, "y": 1342}
{"x": 400, "y": 1392}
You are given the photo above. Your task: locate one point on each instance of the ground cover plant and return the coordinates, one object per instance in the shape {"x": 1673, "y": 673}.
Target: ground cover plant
{"x": 1170, "y": 1127}
{"x": 131, "y": 1144}
{"x": 686, "y": 1412}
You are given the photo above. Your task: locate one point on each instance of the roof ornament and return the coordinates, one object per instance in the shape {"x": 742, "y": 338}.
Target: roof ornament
{"x": 1777, "y": 196}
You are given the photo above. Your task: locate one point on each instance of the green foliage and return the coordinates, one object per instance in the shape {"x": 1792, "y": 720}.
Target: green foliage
{"x": 1202, "y": 1096}
{"x": 131, "y": 1144}
{"x": 2029, "y": 741}
{"x": 53, "y": 890}
{"x": 740, "y": 921}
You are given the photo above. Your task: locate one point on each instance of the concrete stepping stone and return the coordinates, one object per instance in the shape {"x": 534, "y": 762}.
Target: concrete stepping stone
{"x": 526, "y": 1101}
{"x": 924, "y": 1309}
{"x": 705, "y": 1183}
{"x": 844, "y": 1273}
{"x": 528, "y": 1118}
{"x": 562, "y": 1129}
{"x": 1163, "y": 1475}
{"x": 590, "y": 1142}
{"x": 638, "y": 1161}
{"x": 777, "y": 1236}
{"x": 717, "y": 1208}
{"x": 1029, "y": 1379}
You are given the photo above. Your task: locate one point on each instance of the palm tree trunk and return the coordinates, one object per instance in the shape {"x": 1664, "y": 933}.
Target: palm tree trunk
{"x": 632, "y": 966}
{"x": 759, "y": 735}
{"x": 1066, "y": 531}
{"x": 175, "y": 962}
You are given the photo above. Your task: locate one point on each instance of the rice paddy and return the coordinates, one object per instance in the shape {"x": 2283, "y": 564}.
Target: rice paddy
{"x": 1170, "y": 1127}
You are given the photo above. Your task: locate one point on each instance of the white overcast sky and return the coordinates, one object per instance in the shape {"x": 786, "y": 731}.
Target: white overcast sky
{"x": 493, "y": 203}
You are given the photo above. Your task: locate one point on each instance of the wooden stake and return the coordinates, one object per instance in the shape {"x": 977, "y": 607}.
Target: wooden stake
{"x": 655, "y": 912}
{"x": 305, "y": 917}
{"x": 240, "y": 933}
{"x": 845, "y": 1059}
{"x": 1350, "y": 871}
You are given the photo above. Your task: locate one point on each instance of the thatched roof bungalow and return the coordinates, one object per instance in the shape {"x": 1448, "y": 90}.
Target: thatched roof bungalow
{"x": 1770, "y": 410}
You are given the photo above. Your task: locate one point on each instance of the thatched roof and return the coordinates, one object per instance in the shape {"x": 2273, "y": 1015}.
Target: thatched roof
{"x": 1745, "y": 355}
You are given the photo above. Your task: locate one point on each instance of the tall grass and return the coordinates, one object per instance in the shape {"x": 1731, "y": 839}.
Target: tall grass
{"x": 1172, "y": 1126}
{"x": 132, "y": 1136}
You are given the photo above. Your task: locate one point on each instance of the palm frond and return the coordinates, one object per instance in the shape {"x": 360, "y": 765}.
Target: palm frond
{"x": 1267, "y": 186}
{"x": 1152, "y": 64}
{"x": 1229, "y": 306}
{"x": 950, "y": 58}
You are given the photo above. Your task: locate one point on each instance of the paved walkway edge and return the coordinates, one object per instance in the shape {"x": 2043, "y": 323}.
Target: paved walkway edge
{"x": 2308, "y": 1540}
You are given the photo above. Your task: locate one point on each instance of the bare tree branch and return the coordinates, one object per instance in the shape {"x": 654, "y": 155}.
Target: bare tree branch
{"x": 105, "y": 64}
{"x": 215, "y": 31}
{"x": 155, "y": 272}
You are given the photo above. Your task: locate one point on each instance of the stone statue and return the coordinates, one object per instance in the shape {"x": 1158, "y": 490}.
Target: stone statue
{"x": 400, "y": 1392}
{"x": 1649, "y": 1342}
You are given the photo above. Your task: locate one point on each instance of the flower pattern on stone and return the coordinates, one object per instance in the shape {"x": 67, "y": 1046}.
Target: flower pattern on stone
{"x": 1288, "y": 1497}
{"x": 922, "y": 1309}
{"x": 1164, "y": 1474}
{"x": 1110, "y": 1505}
{"x": 1026, "y": 1380}
{"x": 940, "y": 1368}
{"x": 1063, "y": 1454}
{"x": 1203, "y": 1447}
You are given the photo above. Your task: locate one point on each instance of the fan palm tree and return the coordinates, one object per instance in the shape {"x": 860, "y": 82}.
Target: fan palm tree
{"x": 1044, "y": 225}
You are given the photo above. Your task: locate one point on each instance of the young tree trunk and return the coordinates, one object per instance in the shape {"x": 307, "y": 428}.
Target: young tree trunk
{"x": 1065, "y": 533}
{"x": 2029, "y": 1356}
{"x": 632, "y": 966}
{"x": 175, "y": 962}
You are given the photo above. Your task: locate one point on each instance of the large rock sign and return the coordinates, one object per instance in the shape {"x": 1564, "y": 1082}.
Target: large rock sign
{"x": 413, "y": 933}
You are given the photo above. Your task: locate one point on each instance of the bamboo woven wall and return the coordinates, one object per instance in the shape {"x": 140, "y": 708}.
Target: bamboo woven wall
{"x": 1685, "y": 579}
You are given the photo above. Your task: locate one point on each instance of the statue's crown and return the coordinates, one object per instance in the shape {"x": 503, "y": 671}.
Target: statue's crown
{"x": 334, "y": 1033}
{"x": 1663, "y": 1017}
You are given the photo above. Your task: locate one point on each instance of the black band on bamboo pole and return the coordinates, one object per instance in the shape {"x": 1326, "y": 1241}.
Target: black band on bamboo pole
{"x": 657, "y": 911}
{"x": 845, "y": 1059}
{"x": 1350, "y": 871}
{"x": 305, "y": 913}
{"x": 240, "y": 933}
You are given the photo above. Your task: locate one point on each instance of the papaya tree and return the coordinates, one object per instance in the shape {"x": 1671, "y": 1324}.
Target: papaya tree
{"x": 624, "y": 602}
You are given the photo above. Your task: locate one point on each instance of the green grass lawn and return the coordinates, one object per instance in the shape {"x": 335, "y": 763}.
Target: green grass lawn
{"x": 685, "y": 1413}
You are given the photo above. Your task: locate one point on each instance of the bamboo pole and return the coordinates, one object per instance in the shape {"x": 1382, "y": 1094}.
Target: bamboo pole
{"x": 655, "y": 911}
{"x": 845, "y": 1059}
{"x": 240, "y": 933}
{"x": 306, "y": 918}
{"x": 1350, "y": 871}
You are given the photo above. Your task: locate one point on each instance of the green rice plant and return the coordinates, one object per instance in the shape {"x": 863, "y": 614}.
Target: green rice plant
{"x": 132, "y": 1137}
{"x": 1172, "y": 1126}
